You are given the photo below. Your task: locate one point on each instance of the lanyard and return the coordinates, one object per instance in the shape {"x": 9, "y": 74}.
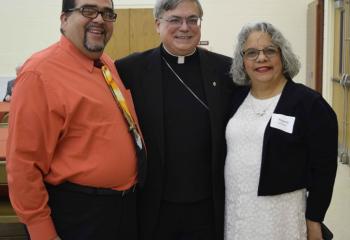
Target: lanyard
{"x": 118, "y": 96}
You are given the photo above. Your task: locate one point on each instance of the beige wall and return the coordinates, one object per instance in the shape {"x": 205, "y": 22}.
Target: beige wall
{"x": 30, "y": 25}
{"x": 328, "y": 44}
{"x": 26, "y": 27}
{"x": 222, "y": 23}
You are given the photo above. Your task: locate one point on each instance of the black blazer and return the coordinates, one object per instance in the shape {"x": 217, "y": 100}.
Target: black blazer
{"x": 142, "y": 74}
{"x": 306, "y": 158}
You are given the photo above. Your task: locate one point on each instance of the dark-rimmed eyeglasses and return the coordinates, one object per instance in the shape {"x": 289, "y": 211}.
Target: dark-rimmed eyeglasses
{"x": 89, "y": 12}
{"x": 253, "y": 53}
{"x": 175, "y": 21}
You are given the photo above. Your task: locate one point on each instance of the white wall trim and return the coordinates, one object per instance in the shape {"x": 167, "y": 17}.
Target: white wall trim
{"x": 328, "y": 46}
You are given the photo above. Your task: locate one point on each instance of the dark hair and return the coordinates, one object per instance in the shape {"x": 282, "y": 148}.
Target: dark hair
{"x": 69, "y": 4}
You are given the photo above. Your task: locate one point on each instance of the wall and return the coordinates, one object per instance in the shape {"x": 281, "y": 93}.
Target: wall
{"x": 223, "y": 21}
{"x": 28, "y": 26}
{"x": 328, "y": 44}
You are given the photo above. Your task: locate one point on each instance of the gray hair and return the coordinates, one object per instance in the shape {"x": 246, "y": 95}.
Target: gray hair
{"x": 165, "y": 5}
{"x": 290, "y": 62}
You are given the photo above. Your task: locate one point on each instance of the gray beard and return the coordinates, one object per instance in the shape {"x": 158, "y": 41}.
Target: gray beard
{"x": 96, "y": 48}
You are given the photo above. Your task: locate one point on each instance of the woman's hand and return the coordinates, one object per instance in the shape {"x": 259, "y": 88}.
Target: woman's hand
{"x": 313, "y": 230}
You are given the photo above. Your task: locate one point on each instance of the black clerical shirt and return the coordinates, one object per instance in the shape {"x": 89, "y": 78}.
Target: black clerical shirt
{"x": 187, "y": 132}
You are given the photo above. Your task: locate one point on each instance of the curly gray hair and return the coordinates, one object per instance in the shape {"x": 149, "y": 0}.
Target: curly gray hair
{"x": 162, "y": 6}
{"x": 290, "y": 62}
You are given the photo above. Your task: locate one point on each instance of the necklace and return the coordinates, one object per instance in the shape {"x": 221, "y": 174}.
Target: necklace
{"x": 260, "y": 108}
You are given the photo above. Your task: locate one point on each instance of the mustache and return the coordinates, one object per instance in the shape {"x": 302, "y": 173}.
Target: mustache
{"x": 96, "y": 25}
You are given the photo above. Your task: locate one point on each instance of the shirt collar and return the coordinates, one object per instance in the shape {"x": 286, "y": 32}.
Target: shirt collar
{"x": 72, "y": 50}
{"x": 179, "y": 59}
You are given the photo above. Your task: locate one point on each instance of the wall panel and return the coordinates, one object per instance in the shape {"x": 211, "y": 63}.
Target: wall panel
{"x": 119, "y": 45}
{"x": 143, "y": 33}
{"x": 134, "y": 31}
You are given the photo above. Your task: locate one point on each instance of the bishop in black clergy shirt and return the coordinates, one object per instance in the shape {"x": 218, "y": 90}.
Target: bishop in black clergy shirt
{"x": 182, "y": 98}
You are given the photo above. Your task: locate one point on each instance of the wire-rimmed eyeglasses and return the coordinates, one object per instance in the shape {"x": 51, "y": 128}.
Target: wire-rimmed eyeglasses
{"x": 108, "y": 15}
{"x": 175, "y": 21}
{"x": 253, "y": 53}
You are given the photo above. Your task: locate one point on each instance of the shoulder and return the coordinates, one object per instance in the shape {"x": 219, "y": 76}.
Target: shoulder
{"x": 40, "y": 60}
{"x": 219, "y": 63}
{"x": 302, "y": 93}
{"x": 308, "y": 99}
{"x": 300, "y": 88}
{"x": 136, "y": 59}
{"x": 133, "y": 67}
{"x": 214, "y": 57}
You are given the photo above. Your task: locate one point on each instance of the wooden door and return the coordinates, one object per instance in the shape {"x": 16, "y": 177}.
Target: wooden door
{"x": 314, "y": 56}
{"x": 341, "y": 94}
{"x": 119, "y": 44}
{"x": 134, "y": 31}
{"x": 143, "y": 34}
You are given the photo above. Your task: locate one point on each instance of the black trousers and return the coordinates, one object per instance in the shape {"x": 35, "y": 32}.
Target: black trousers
{"x": 82, "y": 216}
{"x": 186, "y": 221}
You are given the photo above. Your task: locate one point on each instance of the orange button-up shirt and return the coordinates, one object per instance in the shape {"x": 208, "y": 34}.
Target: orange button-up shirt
{"x": 65, "y": 125}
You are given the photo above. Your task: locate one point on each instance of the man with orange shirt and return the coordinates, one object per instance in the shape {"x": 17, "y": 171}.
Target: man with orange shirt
{"x": 74, "y": 151}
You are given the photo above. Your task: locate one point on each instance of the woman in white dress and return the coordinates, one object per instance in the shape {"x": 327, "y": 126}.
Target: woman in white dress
{"x": 281, "y": 144}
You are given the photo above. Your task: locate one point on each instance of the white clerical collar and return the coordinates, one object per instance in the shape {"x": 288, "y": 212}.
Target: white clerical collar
{"x": 180, "y": 59}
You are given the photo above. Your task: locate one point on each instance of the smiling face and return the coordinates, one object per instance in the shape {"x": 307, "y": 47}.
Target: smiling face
{"x": 263, "y": 70}
{"x": 181, "y": 40}
{"x": 90, "y": 36}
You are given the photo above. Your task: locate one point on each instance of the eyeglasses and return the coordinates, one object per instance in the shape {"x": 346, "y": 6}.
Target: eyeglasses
{"x": 253, "y": 53}
{"x": 107, "y": 15}
{"x": 174, "y": 21}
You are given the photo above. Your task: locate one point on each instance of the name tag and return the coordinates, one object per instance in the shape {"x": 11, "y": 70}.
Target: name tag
{"x": 282, "y": 122}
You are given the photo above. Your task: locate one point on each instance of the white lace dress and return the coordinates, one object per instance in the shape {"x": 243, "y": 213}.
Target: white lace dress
{"x": 247, "y": 216}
